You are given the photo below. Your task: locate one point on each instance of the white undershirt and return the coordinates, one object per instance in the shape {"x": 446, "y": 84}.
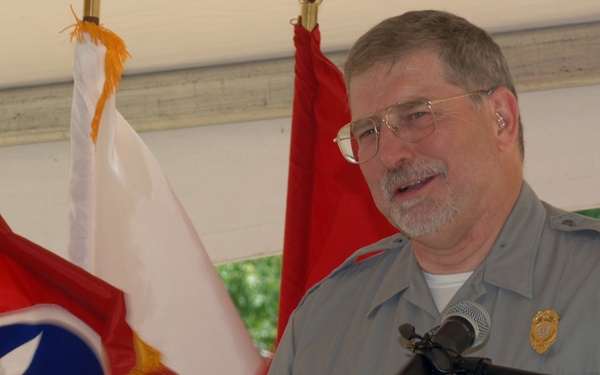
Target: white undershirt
{"x": 444, "y": 287}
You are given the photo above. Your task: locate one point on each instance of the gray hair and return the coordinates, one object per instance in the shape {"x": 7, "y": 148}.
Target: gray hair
{"x": 469, "y": 56}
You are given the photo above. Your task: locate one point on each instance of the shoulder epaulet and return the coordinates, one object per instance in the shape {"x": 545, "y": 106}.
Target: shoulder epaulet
{"x": 391, "y": 242}
{"x": 571, "y": 222}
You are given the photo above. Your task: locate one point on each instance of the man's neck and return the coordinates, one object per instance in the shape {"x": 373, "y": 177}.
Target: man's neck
{"x": 457, "y": 249}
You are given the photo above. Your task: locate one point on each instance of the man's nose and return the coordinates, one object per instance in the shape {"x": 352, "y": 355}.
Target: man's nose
{"x": 393, "y": 151}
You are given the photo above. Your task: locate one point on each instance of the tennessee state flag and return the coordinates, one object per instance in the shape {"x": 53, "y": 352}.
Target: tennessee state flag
{"x": 56, "y": 318}
{"x": 330, "y": 213}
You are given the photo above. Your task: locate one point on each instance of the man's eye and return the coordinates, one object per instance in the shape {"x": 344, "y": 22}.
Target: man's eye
{"x": 365, "y": 133}
{"x": 410, "y": 116}
{"x": 416, "y": 115}
{"x": 364, "y": 130}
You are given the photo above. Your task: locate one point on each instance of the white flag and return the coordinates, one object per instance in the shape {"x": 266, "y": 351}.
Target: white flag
{"x": 129, "y": 228}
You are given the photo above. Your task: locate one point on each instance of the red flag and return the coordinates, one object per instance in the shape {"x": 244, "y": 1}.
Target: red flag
{"x": 31, "y": 276}
{"x": 330, "y": 213}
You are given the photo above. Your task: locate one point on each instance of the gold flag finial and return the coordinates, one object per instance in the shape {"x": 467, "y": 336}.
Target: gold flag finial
{"x": 308, "y": 16}
{"x": 91, "y": 11}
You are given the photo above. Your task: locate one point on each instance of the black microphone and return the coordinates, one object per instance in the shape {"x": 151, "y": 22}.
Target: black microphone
{"x": 464, "y": 325}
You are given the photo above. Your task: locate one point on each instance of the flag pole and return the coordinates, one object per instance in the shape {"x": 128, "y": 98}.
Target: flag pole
{"x": 308, "y": 15}
{"x": 91, "y": 11}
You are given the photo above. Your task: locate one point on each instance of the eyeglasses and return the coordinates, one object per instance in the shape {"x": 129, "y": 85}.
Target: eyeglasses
{"x": 411, "y": 121}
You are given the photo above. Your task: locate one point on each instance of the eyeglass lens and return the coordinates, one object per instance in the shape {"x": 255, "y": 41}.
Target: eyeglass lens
{"x": 410, "y": 121}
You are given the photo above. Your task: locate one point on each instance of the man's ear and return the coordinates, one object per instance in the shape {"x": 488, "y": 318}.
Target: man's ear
{"x": 505, "y": 111}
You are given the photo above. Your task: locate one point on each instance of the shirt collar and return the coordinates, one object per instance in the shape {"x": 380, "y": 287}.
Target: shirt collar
{"x": 512, "y": 258}
{"x": 398, "y": 277}
{"x": 514, "y": 251}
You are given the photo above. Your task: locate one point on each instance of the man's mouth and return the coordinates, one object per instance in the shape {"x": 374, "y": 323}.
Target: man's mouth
{"x": 414, "y": 185}
{"x": 412, "y": 180}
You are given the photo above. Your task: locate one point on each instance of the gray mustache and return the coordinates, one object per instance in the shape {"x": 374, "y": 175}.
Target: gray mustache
{"x": 410, "y": 172}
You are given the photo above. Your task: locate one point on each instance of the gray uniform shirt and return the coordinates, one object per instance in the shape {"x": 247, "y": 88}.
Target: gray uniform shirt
{"x": 544, "y": 258}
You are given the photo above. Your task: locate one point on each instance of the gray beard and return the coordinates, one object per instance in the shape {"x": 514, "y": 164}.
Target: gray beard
{"x": 424, "y": 215}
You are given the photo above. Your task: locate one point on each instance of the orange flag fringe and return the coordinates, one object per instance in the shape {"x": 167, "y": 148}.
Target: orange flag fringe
{"x": 116, "y": 55}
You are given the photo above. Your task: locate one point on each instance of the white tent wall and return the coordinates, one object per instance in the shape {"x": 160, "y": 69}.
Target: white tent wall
{"x": 232, "y": 178}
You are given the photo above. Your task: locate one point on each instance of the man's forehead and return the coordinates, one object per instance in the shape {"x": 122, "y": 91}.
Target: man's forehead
{"x": 413, "y": 77}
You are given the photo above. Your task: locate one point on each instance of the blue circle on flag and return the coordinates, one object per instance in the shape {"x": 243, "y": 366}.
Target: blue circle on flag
{"x": 58, "y": 350}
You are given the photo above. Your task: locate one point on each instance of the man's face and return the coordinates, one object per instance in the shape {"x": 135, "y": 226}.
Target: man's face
{"x": 438, "y": 183}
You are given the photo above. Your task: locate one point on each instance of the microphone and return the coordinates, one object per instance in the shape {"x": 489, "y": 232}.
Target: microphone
{"x": 464, "y": 325}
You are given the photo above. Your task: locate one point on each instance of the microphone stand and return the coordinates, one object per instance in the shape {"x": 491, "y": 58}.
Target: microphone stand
{"x": 418, "y": 364}
{"x": 483, "y": 366}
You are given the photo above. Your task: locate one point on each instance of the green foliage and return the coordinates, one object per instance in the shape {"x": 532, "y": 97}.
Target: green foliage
{"x": 594, "y": 212}
{"x": 254, "y": 288}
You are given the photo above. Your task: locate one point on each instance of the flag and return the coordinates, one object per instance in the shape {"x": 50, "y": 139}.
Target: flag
{"x": 329, "y": 213}
{"x": 56, "y": 318}
{"x": 129, "y": 228}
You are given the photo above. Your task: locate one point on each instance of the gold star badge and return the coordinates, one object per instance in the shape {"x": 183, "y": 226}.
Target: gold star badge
{"x": 544, "y": 329}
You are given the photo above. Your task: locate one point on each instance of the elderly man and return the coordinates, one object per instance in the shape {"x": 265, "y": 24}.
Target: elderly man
{"x": 437, "y": 134}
